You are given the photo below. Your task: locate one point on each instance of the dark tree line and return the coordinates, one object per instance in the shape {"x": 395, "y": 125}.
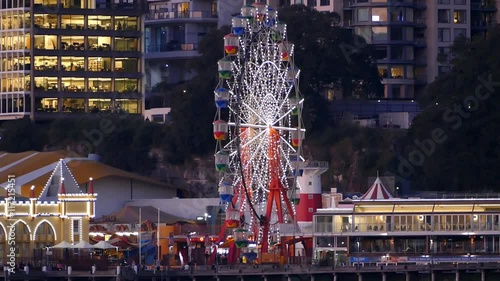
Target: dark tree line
{"x": 454, "y": 143}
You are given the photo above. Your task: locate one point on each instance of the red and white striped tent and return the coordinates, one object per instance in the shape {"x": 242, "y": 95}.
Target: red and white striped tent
{"x": 376, "y": 192}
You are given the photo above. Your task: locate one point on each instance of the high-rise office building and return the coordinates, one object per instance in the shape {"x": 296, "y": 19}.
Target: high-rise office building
{"x": 63, "y": 58}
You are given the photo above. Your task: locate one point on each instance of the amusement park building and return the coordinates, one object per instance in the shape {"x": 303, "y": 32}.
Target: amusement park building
{"x": 114, "y": 186}
{"x": 55, "y": 212}
{"x": 379, "y": 228}
{"x": 68, "y": 58}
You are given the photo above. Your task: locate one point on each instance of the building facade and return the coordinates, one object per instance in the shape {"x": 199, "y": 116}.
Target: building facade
{"x": 43, "y": 219}
{"x": 412, "y": 38}
{"x": 66, "y": 58}
{"x": 173, "y": 31}
{"x": 380, "y": 229}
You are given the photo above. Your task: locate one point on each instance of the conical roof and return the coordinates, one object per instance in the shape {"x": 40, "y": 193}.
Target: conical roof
{"x": 61, "y": 181}
{"x": 377, "y": 192}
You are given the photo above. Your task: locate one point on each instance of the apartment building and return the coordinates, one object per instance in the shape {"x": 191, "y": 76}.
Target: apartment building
{"x": 173, "y": 31}
{"x": 412, "y": 38}
{"x": 66, "y": 58}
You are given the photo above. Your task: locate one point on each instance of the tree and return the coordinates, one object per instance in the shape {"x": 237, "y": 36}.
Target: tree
{"x": 454, "y": 143}
{"x": 329, "y": 58}
{"x": 22, "y": 135}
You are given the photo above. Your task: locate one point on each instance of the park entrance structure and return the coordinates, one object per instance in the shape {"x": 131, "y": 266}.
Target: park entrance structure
{"x": 259, "y": 133}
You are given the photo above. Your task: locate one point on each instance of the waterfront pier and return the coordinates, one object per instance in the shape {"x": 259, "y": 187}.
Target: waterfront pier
{"x": 436, "y": 272}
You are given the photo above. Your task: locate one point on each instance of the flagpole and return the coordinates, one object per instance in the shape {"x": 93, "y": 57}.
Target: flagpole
{"x": 140, "y": 236}
{"x": 158, "y": 256}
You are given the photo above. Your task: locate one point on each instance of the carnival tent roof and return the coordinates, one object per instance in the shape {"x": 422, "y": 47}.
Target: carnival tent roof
{"x": 376, "y": 192}
{"x": 83, "y": 245}
{"x": 62, "y": 245}
{"x": 37, "y": 168}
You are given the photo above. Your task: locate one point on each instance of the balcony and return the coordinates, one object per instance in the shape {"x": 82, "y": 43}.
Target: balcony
{"x": 483, "y": 25}
{"x": 160, "y": 17}
{"x": 420, "y": 22}
{"x": 420, "y": 42}
{"x": 172, "y": 50}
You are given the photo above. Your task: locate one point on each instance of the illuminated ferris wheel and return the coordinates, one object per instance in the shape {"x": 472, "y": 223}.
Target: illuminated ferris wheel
{"x": 258, "y": 127}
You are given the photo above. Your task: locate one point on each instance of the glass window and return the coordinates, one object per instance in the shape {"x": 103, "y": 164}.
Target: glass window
{"x": 379, "y": 14}
{"x": 365, "y": 32}
{"x": 381, "y": 52}
{"x": 125, "y": 23}
{"x": 73, "y": 84}
{"x": 444, "y": 16}
{"x": 397, "y": 91}
{"x": 126, "y": 85}
{"x": 126, "y": 65}
{"x": 12, "y": 84}
{"x": 379, "y": 33}
{"x": 45, "y": 63}
{"x": 14, "y": 42}
{"x": 48, "y": 3}
{"x": 410, "y": 71}
{"x": 72, "y": 21}
{"x": 409, "y": 15}
{"x": 99, "y": 43}
{"x": 73, "y": 4}
{"x": 126, "y": 44}
{"x": 72, "y": 43}
{"x": 99, "y": 64}
{"x": 459, "y": 32}
{"x": 181, "y": 10}
{"x": 382, "y": 71}
{"x": 76, "y": 224}
{"x": 459, "y": 2}
{"x": 397, "y": 33}
{"x": 100, "y": 84}
{"x": 397, "y": 71}
{"x": 459, "y": 16}
{"x": 45, "y": 42}
{"x": 397, "y": 53}
{"x": 363, "y": 14}
{"x": 97, "y": 105}
{"x": 46, "y": 84}
{"x": 73, "y": 105}
{"x": 72, "y": 63}
{"x": 14, "y": 63}
{"x": 46, "y": 21}
{"x": 444, "y": 2}
{"x": 128, "y": 105}
{"x": 408, "y": 34}
{"x": 47, "y": 104}
{"x": 443, "y": 34}
{"x": 99, "y": 22}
